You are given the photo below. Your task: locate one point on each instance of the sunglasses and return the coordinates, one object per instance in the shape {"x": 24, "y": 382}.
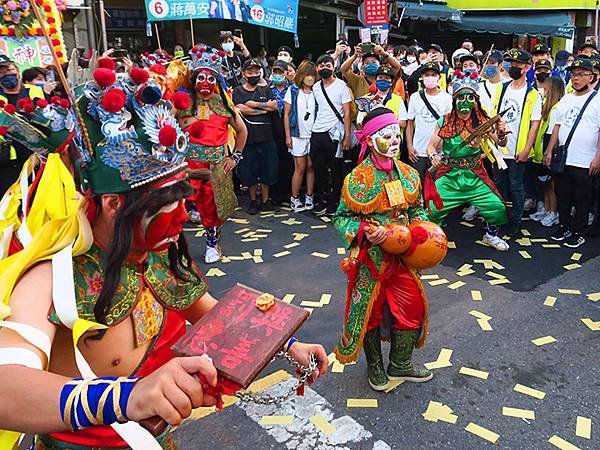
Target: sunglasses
{"x": 463, "y": 97}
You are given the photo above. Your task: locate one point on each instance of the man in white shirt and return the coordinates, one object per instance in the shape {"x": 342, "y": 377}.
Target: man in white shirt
{"x": 522, "y": 120}
{"x": 491, "y": 72}
{"x": 421, "y": 120}
{"x": 330, "y": 134}
{"x": 574, "y": 186}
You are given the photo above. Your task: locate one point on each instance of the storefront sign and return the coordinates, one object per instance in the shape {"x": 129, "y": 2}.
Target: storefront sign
{"x": 278, "y": 14}
{"x": 376, "y": 12}
{"x": 27, "y": 52}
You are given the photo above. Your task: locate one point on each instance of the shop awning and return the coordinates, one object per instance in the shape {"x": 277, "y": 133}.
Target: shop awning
{"x": 538, "y": 24}
{"x": 429, "y": 11}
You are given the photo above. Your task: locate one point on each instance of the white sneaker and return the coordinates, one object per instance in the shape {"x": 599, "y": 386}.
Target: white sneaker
{"x": 529, "y": 204}
{"x": 539, "y": 216}
{"x": 496, "y": 242}
{"x": 551, "y": 219}
{"x": 213, "y": 255}
{"x": 297, "y": 205}
{"x": 470, "y": 213}
{"x": 195, "y": 217}
{"x": 309, "y": 203}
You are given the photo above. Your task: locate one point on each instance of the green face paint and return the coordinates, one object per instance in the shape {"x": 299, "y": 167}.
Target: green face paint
{"x": 465, "y": 106}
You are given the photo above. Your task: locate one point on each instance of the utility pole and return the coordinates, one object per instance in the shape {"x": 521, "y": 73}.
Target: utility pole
{"x": 102, "y": 13}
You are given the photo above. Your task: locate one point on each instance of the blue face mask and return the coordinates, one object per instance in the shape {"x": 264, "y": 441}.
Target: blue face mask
{"x": 278, "y": 78}
{"x": 506, "y": 66}
{"x": 383, "y": 85}
{"x": 490, "y": 71}
{"x": 371, "y": 69}
{"x": 9, "y": 81}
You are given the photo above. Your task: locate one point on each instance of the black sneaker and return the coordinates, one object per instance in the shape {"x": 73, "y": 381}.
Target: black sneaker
{"x": 574, "y": 241}
{"x": 561, "y": 234}
{"x": 330, "y": 211}
{"x": 253, "y": 207}
{"x": 320, "y": 208}
{"x": 513, "y": 229}
{"x": 268, "y": 206}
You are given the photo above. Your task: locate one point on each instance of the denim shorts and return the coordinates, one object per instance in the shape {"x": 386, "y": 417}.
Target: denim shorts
{"x": 260, "y": 164}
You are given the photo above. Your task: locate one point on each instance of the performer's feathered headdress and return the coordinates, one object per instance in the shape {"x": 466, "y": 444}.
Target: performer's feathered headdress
{"x": 205, "y": 57}
{"x": 461, "y": 81}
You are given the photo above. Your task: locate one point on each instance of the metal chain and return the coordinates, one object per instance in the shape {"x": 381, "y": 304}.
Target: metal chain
{"x": 267, "y": 399}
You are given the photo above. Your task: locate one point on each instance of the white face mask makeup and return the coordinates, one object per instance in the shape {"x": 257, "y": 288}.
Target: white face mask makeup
{"x": 386, "y": 141}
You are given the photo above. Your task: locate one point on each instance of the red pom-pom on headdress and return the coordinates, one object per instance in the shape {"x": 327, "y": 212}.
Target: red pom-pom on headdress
{"x": 473, "y": 75}
{"x": 26, "y": 104}
{"x": 41, "y": 103}
{"x": 182, "y": 101}
{"x": 104, "y": 77}
{"x": 107, "y": 63}
{"x": 64, "y": 103}
{"x": 3, "y": 131}
{"x": 167, "y": 136}
{"x": 114, "y": 100}
{"x": 457, "y": 72}
{"x": 10, "y": 109}
{"x": 158, "y": 69}
{"x": 139, "y": 76}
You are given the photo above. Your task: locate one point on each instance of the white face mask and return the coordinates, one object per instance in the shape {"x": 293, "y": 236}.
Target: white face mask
{"x": 285, "y": 58}
{"x": 411, "y": 59}
{"x": 228, "y": 46}
{"x": 386, "y": 141}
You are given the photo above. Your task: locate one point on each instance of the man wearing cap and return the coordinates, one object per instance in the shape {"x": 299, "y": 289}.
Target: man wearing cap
{"x": 12, "y": 90}
{"x": 542, "y": 69}
{"x": 384, "y": 96}
{"x": 233, "y": 60}
{"x": 574, "y": 187}
{"x": 540, "y": 52}
{"x": 260, "y": 163}
{"x": 424, "y": 109}
{"x": 524, "y": 111}
{"x": 563, "y": 60}
{"x": 359, "y": 84}
{"x": 588, "y": 48}
{"x": 458, "y": 53}
{"x": 491, "y": 77}
{"x": 285, "y": 53}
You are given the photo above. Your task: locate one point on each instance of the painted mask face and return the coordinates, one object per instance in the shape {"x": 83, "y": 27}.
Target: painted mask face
{"x": 155, "y": 232}
{"x": 206, "y": 82}
{"x": 465, "y": 102}
{"x": 386, "y": 141}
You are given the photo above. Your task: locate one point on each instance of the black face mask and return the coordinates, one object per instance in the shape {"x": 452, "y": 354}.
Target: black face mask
{"x": 581, "y": 89}
{"x": 541, "y": 77}
{"x": 253, "y": 81}
{"x": 325, "y": 73}
{"x": 514, "y": 73}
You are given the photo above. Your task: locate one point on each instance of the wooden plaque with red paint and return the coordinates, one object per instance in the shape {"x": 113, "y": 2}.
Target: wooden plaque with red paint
{"x": 240, "y": 338}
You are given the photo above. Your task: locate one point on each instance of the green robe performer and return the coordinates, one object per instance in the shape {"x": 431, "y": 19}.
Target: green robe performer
{"x": 381, "y": 191}
{"x": 458, "y": 177}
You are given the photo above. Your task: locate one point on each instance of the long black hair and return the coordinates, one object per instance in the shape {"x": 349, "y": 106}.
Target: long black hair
{"x": 136, "y": 204}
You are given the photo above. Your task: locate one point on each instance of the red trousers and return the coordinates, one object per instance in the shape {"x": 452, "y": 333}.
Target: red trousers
{"x": 204, "y": 197}
{"x": 404, "y": 298}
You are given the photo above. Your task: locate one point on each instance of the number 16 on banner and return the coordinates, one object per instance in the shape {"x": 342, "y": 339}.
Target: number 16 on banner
{"x": 159, "y": 8}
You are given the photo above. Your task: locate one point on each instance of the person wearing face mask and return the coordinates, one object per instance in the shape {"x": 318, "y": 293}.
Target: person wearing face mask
{"x": 178, "y": 51}
{"x": 299, "y": 118}
{"x": 411, "y": 62}
{"x": 12, "y": 89}
{"x": 543, "y": 70}
{"x": 359, "y": 84}
{"x": 37, "y": 76}
{"x": 562, "y": 60}
{"x": 280, "y": 85}
{"x": 491, "y": 78}
{"x": 260, "y": 163}
{"x": 574, "y": 185}
{"x": 424, "y": 109}
{"x": 458, "y": 176}
{"x": 207, "y": 117}
{"x": 540, "y": 52}
{"x": 365, "y": 212}
{"x": 233, "y": 60}
{"x": 384, "y": 96}
{"x": 285, "y": 53}
{"x": 434, "y": 54}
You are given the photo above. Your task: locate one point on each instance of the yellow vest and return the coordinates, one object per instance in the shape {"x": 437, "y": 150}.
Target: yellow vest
{"x": 537, "y": 152}
{"x": 34, "y": 92}
{"x": 530, "y": 98}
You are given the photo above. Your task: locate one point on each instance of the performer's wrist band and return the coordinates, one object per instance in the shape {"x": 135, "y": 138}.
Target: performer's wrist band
{"x": 291, "y": 342}
{"x": 434, "y": 155}
{"x": 98, "y": 401}
{"x": 237, "y": 156}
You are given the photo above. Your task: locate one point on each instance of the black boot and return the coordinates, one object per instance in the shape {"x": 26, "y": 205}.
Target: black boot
{"x": 401, "y": 367}
{"x": 378, "y": 380}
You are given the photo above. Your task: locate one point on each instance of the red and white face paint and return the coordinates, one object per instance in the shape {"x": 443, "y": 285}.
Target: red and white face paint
{"x": 386, "y": 141}
{"x": 206, "y": 82}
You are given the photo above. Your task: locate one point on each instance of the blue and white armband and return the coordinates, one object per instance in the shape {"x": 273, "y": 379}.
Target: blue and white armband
{"x": 98, "y": 401}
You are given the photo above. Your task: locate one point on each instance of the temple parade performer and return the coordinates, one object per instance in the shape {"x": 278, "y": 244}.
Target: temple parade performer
{"x": 458, "y": 176}
{"x": 381, "y": 191}
{"x": 207, "y": 118}
{"x": 91, "y": 306}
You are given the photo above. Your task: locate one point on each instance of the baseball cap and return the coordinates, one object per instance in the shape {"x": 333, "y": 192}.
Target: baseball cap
{"x": 4, "y": 60}
{"x": 561, "y": 57}
{"x": 434, "y": 47}
{"x": 384, "y": 70}
{"x": 495, "y": 56}
{"x": 581, "y": 63}
{"x": 542, "y": 63}
{"x": 285, "y": 48}
{"x": 249, "y": 63}
{"x": 430, "y": 66}
{"x": 589, "y": 43}
{"x": 469, "y": 57}
{"x": 540, "y": 48}
{"x": 518, "y": 55}
{"x": 280, "y": 64}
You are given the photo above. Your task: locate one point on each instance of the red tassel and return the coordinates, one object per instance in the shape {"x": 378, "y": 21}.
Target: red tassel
{"x": 431, "y": 193}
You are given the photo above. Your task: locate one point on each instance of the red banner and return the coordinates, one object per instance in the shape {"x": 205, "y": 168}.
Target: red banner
{"x": 376, "y": 12}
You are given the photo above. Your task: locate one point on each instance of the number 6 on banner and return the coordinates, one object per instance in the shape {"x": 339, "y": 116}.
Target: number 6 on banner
{"x": 159, "y": 8}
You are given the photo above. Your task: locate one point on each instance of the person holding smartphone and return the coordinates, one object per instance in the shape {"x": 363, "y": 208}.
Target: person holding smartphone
{"x": 233, "y": 60}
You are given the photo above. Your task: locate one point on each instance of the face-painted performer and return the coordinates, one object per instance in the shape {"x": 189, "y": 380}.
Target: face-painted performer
{"x": 208, "y": 117}
{"x": 91, "y": 306}
{"x": 380, "y": 195}
{"x": 460, "y": 178}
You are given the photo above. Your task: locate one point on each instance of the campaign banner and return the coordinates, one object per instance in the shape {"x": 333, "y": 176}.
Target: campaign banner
{"x": 278, "y": 14}
{"x": 27, "y": 52}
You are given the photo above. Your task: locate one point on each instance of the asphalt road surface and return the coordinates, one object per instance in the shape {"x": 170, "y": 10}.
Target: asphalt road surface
{"x": 540, "y": 292}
